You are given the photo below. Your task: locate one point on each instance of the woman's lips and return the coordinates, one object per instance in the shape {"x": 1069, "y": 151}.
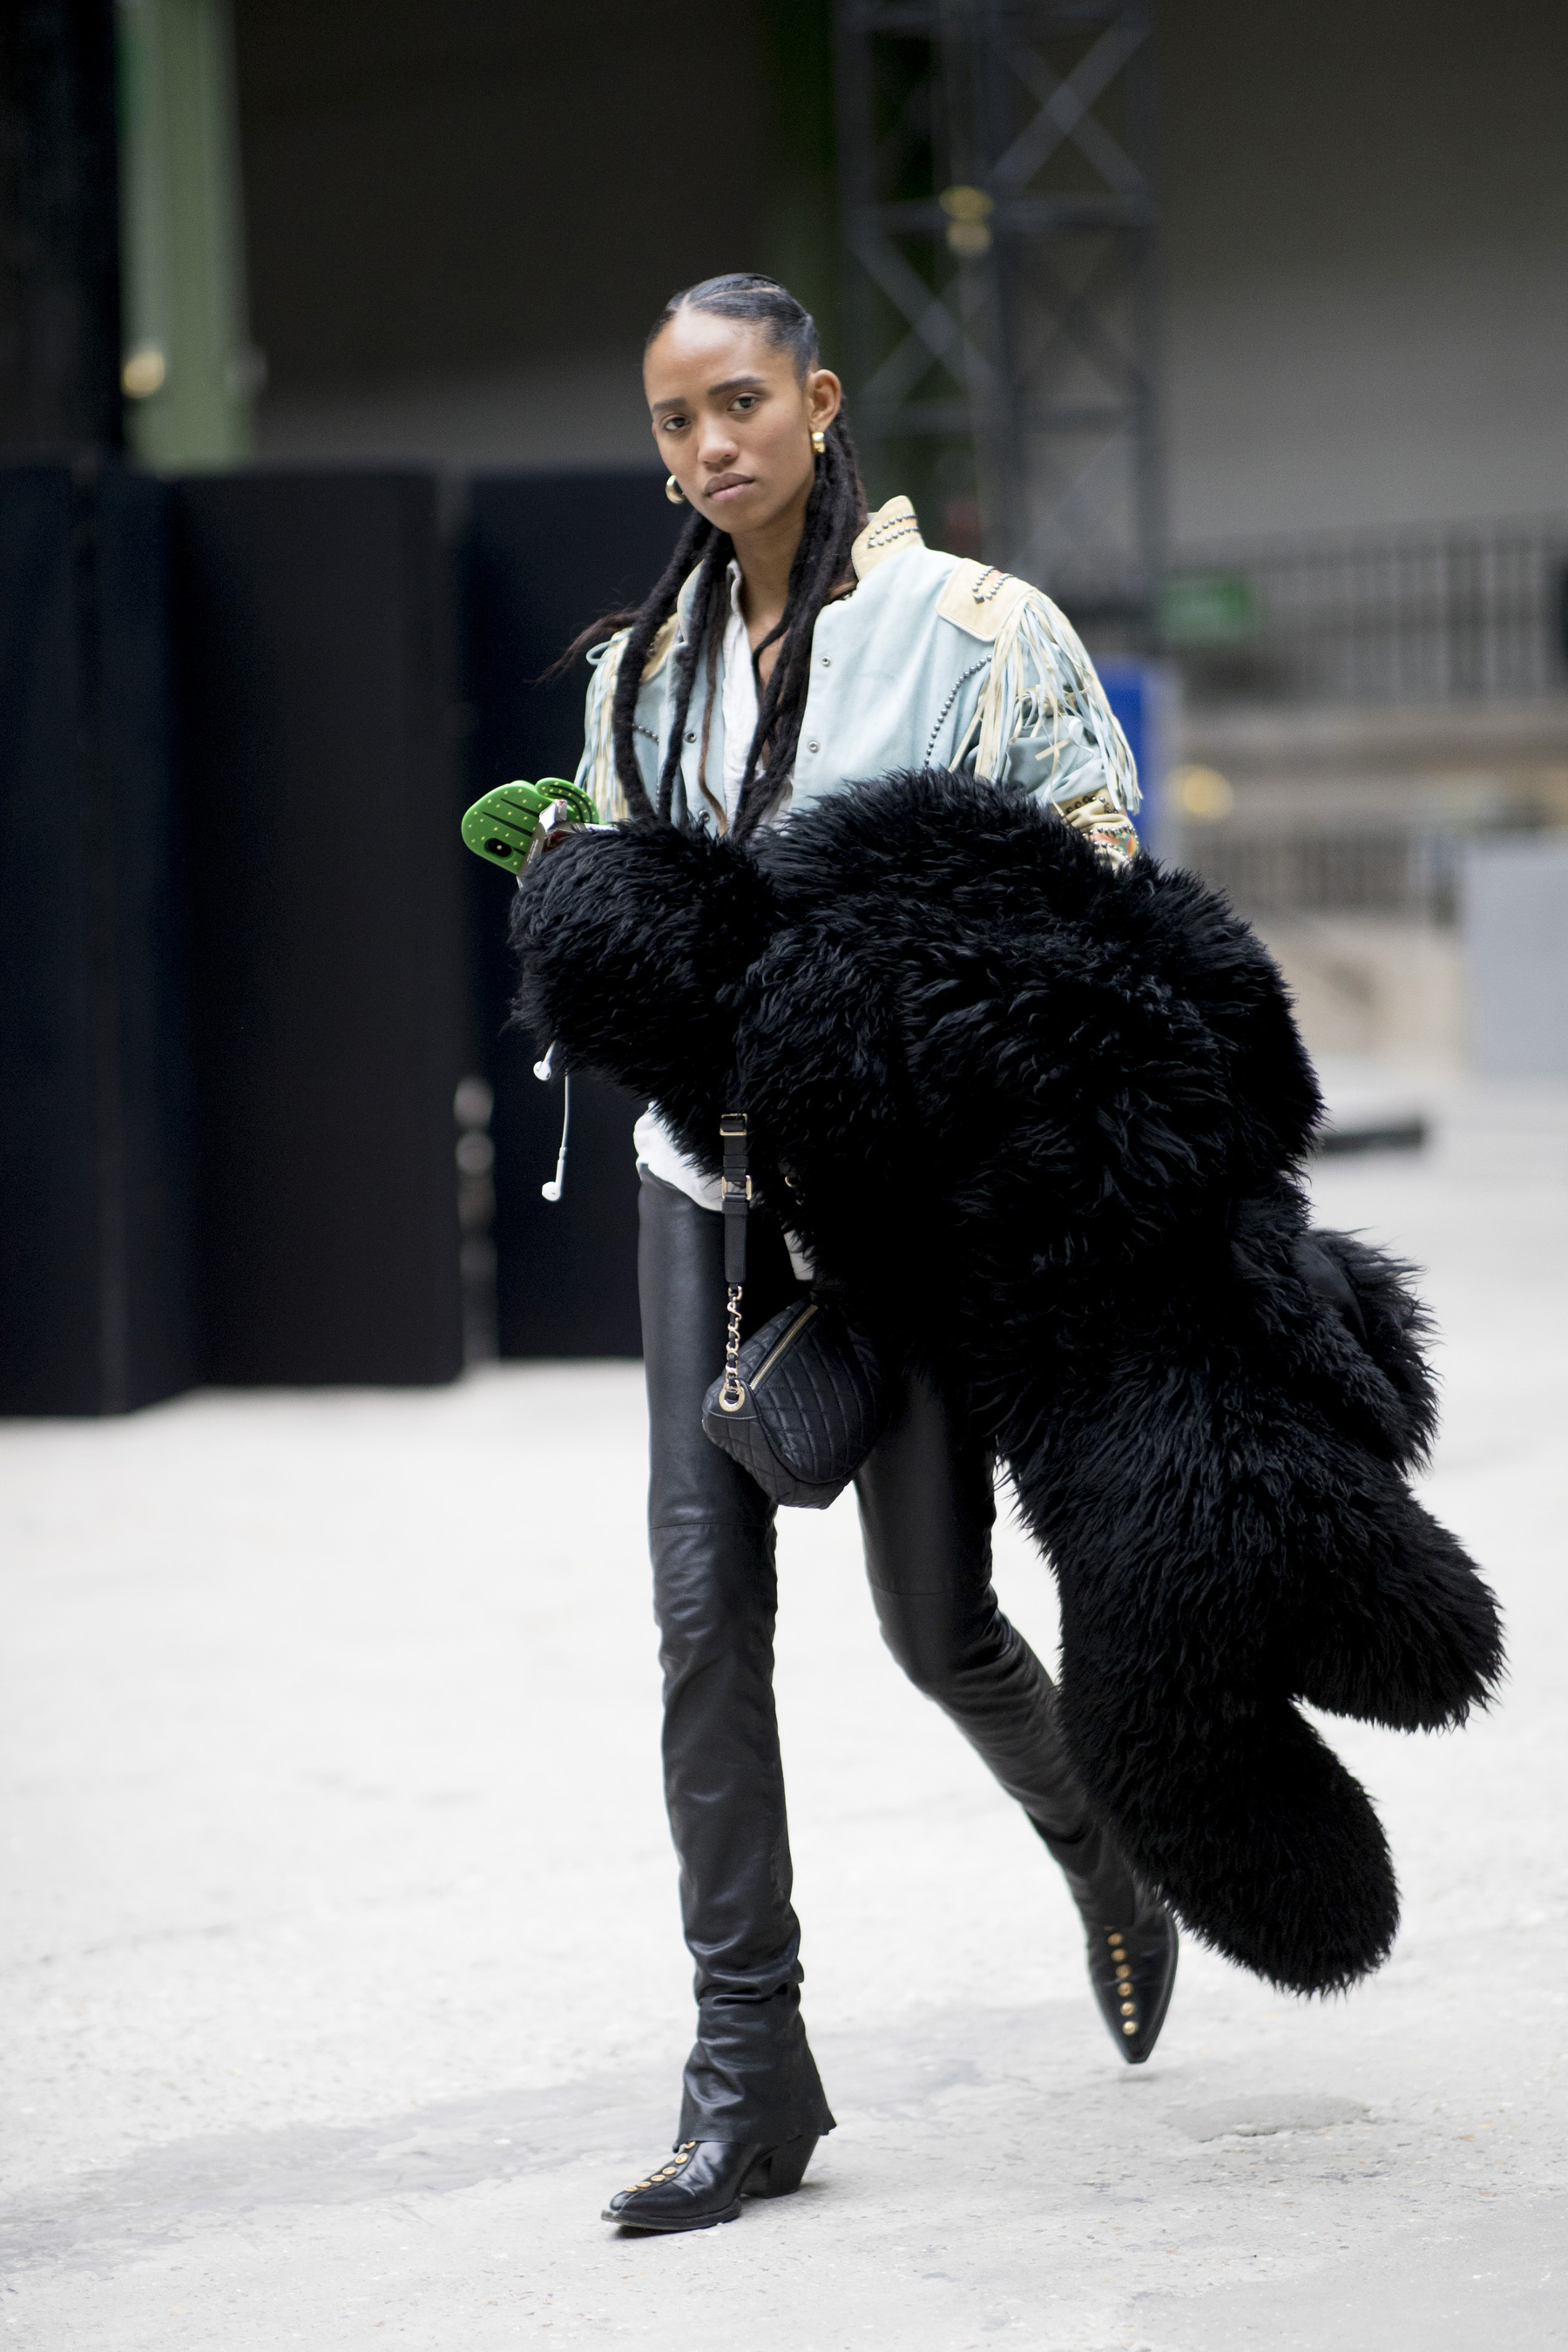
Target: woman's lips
{"x": 724, "y": 486}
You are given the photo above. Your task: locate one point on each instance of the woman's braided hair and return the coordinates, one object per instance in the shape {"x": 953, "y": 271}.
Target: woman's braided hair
{"x": 835, "y": 514}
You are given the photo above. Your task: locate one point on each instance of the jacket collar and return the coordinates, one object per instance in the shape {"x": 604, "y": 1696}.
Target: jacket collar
{"x": 891, "y": 531}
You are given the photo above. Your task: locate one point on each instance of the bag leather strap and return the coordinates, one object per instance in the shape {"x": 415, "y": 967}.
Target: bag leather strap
{"x": 734, "y": 1196}
{"x": 735, "y": 1201}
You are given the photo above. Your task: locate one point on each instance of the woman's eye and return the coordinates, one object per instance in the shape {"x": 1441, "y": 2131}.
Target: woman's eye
{"x": 746, "y": 399}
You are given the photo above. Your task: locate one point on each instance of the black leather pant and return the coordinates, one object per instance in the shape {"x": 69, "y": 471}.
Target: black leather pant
{"x": 927, "y": 1512}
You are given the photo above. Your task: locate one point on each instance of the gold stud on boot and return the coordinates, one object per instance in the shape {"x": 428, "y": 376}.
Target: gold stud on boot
{"x": 705, "y": 2181}
{"x": 683, "y": 2155}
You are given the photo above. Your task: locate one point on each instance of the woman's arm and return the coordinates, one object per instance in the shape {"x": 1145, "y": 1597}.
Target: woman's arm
{"x": 1044, "y": 725}
{"x": 634, "y": 947}
{"x": 596, "y": 768}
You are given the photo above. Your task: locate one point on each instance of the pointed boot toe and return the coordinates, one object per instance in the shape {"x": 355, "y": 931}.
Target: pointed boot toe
{"x": 703, "y": 2183}
{"x": 1133, "y": 1971}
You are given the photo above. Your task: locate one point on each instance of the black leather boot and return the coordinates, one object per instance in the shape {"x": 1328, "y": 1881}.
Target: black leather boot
{"x": 751, "y": 2075}
{"x": 1131, "y": 1938}
{"x": 927, "y": 1506}
{"x": 705, "y": 2181}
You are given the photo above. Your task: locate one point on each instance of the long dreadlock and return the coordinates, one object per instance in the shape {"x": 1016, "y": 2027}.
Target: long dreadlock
{"x": 835, "y": 514}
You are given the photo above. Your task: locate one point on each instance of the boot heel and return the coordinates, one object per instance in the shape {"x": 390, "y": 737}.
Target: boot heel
{"x": 783, "y": 2170}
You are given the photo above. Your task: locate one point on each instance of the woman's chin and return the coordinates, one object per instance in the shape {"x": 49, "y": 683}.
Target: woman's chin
{"x": 744, "y": 509}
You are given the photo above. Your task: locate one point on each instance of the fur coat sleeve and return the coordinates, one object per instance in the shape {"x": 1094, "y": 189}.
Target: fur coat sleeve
{"x": 1043, "y": 1124}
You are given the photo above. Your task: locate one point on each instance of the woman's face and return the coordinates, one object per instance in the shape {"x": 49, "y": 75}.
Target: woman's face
{"x": 731, "y": 419}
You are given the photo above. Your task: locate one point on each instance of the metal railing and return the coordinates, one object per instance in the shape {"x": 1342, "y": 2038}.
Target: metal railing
{"x": 1460, "y": 614}
{"x": 1383, "y": 870}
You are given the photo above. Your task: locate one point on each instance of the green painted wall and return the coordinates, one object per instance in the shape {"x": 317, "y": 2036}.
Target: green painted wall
{"x": 189, "y": 373}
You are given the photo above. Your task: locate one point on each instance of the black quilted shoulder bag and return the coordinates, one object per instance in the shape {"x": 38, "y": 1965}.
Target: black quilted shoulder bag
{"x": 804, "y": 1402}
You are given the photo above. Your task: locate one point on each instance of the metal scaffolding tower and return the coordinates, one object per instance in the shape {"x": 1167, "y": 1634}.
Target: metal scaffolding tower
{"x": 996, "y": 159}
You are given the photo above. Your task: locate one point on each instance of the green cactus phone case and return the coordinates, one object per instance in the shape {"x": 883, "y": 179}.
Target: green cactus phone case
{"x": 500, "y": 826}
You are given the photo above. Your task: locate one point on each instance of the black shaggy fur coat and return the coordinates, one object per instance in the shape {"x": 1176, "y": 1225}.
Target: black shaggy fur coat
{"x": 1044, "y": 1123}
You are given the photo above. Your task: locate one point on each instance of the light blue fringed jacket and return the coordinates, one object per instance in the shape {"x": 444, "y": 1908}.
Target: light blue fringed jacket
{"x": 933, "y": 661}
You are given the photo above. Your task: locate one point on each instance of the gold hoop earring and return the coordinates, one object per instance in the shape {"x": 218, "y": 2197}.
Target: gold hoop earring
{"x": 819, "y": 443}
{"x": 673, "y": 491}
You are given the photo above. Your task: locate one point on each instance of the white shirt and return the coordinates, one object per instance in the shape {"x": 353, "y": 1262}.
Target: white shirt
{"x": 740, "y": 696}
{"x": 657, "y": 1149}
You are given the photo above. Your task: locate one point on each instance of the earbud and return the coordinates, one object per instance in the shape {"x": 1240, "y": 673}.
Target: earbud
{"x": 546, "y": 1070}
{"x": 551, "y": 1191}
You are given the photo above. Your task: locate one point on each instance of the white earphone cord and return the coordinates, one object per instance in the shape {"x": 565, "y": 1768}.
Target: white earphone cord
{"x": 553, "y": 1190}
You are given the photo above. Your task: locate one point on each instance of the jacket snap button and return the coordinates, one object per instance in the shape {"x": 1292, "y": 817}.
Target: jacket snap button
{"x": 811, "y": 747}
{"x": 692, "y": 736}
{"x": 827, "y": 661}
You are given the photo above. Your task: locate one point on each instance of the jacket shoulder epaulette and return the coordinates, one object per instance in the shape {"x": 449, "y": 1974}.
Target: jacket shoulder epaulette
{"x": 978, "y": 598}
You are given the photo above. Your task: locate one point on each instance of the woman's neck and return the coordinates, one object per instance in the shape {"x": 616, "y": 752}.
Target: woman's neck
{"x": 764, "y": 558}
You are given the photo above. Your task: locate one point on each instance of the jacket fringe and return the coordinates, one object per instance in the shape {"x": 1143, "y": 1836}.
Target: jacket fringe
{"x": 596, "y": 771}
{"x": 1035, "y": 648}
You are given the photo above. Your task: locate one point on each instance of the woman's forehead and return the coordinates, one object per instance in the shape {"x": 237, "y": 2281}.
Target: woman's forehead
{"x": 700, "y": 349}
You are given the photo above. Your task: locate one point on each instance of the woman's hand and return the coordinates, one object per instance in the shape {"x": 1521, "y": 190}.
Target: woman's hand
{"x": 556, "y": 823}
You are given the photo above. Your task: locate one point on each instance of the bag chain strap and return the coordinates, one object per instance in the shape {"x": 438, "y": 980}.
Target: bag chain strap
{"x": 735, "y": 1198}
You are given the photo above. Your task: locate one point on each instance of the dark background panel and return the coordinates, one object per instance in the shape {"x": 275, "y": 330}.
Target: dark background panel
{"x": 49, "y": 1322}
{"x": 329, "y": 949}
{"x": 95, "y": 1288}
{"x": 59, "y": 229}
{"x": 545, "y": 554}
{"x": 139, "y": 880}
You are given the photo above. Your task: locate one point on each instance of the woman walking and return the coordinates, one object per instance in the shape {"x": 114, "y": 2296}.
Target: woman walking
{"x": 794, "y": 643}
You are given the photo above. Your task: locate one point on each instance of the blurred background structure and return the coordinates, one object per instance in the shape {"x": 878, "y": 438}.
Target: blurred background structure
{"x": 998, "y": 172}
{"x": 1243, "y": 331}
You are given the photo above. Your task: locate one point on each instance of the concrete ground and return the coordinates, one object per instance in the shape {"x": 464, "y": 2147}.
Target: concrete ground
{"x": 343, "y": 1978}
